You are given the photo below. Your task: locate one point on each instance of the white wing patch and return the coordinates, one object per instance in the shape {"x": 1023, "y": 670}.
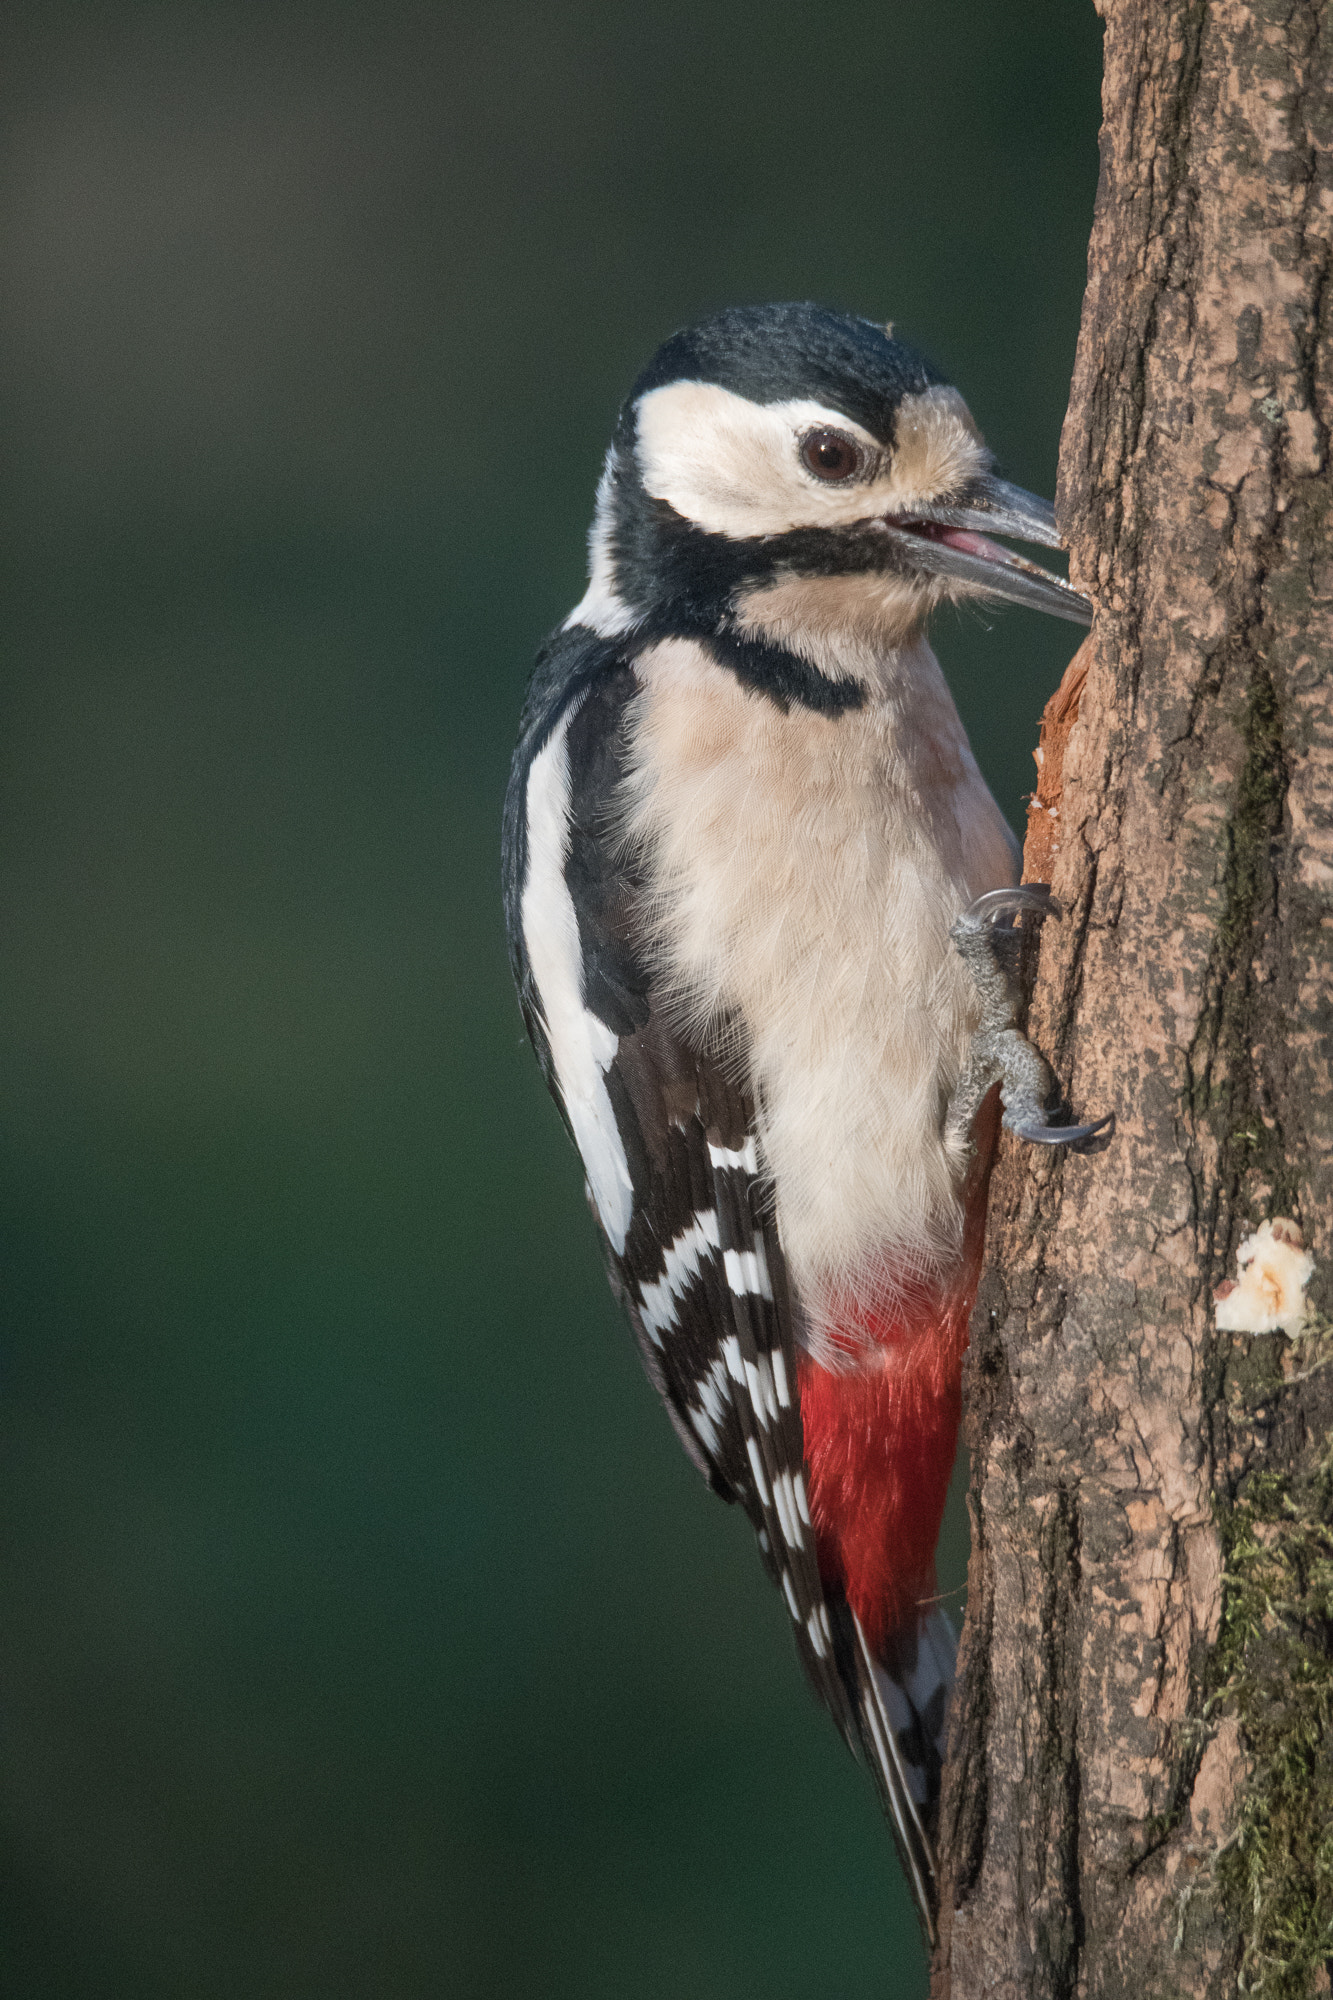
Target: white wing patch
{"x": 582, "y": 1047}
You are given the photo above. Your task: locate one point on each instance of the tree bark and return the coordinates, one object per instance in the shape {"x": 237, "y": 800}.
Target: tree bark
{"x": 1139, "y": 1798}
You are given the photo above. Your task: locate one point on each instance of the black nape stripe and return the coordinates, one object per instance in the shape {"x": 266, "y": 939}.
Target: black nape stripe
{"x": 683, "y": 583}
{"x": 784, "y": 677}
{"x": 662, "y": 560}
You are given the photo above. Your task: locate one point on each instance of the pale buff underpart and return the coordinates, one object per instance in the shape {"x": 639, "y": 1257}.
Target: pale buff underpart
{"x": 806, "y": 870}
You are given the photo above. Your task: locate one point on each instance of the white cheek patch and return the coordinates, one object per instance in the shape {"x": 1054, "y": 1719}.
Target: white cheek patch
{"x": 734, "y": 468}
{"x": 582, "y": 1046}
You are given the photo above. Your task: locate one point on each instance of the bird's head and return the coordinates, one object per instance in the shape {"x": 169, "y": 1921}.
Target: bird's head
{"x": 797, "y": 477}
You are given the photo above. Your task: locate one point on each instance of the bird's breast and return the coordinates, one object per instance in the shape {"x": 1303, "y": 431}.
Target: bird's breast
{"x": 803, "y": 872}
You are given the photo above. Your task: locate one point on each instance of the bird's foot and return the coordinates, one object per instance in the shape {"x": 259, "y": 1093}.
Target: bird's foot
{"x": 990, "y": 945}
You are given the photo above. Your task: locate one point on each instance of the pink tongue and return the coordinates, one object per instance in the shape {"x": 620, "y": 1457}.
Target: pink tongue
{"x": 969, "y": 544}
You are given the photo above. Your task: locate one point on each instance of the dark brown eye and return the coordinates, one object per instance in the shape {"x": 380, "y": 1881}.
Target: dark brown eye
{"x": 830, "y": 454}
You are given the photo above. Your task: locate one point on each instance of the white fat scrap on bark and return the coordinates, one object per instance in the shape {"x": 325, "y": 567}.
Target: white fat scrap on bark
{"x": 1268, "y": 1295}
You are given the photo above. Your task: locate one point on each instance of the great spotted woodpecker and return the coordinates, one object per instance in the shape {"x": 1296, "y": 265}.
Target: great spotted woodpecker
{"x": 759, "y": 902}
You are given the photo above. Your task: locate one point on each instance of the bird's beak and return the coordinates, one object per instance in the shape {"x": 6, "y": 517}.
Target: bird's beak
{"x": 952, "y": 540}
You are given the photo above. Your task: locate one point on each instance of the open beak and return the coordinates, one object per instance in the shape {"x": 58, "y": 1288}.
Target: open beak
{"x": 954, "y": 541}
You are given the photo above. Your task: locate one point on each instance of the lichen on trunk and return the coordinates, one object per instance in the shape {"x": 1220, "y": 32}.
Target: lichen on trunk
{"x": 1272, "y": 1668}
{"x": 1140, "y": 1796}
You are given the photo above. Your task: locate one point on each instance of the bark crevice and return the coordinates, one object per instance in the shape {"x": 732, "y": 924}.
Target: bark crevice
{"x": 1142, "y": 1730}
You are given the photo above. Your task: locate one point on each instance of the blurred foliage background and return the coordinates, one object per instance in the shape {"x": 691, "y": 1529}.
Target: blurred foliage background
{"x": 363, "y": 1630}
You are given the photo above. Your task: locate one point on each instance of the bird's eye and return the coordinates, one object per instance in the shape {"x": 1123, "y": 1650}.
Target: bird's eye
{"x": 830, "y": 455}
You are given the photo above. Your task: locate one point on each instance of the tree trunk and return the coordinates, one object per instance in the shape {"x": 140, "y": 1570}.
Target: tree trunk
{"x": 1139, "y": 1799}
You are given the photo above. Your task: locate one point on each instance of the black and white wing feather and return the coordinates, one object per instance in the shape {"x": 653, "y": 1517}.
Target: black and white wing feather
{"x": 675, "y": 1179}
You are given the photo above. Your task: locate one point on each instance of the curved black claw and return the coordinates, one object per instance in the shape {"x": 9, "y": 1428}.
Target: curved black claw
{"x": 1034, "y": 897}
{"x": 1058, "y": 1135}
{"x": 993, "y": 950}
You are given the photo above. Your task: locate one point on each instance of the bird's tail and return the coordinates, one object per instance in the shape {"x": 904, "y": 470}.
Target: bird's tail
{"x": 902, "y": 1713}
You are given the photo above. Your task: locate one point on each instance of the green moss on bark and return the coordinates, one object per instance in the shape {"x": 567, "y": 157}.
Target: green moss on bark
{"x": 1273, "y": 1669}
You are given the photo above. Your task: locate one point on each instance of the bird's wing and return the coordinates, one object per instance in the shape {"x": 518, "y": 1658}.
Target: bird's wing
{"x": 676, "y": 1180}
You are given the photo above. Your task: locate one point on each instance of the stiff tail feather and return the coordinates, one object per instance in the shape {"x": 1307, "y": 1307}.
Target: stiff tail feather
{"x": 902, "y": 1711}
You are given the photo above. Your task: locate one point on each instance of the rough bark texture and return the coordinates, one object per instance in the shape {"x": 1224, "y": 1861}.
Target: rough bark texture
{"x": 1140, "y": 1796}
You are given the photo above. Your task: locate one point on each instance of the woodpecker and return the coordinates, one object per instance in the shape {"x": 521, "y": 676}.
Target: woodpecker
{"x": 761, "y": 908}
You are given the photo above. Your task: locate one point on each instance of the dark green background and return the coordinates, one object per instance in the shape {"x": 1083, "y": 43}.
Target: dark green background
{"x": 364, "y": 1632}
